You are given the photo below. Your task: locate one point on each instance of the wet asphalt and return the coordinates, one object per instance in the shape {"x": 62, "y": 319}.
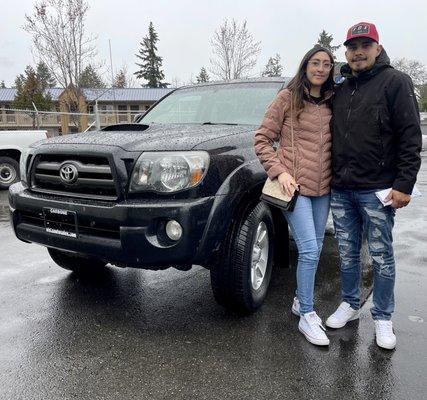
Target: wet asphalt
{"x": 134, "y": 334}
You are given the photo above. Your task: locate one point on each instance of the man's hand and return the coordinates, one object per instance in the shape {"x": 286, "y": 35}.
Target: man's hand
{"x": 399, "y": 199}
{"x": 287, "y": 183}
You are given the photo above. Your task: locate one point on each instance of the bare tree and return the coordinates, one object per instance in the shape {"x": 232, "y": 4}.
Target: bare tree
{"x": 60, "y": 41}
{"x": 176, "y": 82}
{"x": 235, "y": 51}
{"x": 415, "y": 69}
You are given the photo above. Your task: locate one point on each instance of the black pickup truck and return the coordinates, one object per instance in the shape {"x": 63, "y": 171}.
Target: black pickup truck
{"x": 181, "y": 186}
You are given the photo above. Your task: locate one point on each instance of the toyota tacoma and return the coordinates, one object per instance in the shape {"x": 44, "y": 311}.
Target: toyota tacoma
{"x": 179, "y": 187}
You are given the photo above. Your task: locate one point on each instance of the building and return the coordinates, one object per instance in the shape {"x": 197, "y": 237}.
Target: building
{"x": 115, "y": 105}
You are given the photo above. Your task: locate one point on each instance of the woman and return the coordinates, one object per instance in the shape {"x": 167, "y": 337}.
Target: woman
{"x": 302, "y": 112}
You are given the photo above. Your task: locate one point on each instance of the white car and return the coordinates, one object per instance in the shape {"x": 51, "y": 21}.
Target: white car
{"x": 12, "y": 145}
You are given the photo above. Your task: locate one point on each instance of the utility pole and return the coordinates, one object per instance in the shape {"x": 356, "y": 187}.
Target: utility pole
{"x": 112, "y": 78}
{"x": 37, "y": 115}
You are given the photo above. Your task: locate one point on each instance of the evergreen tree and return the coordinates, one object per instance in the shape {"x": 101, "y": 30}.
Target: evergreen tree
{"x": 325, "y": 40}
{"x": 120, "y": 80}
{"x": 273, "y": 67}
{"x": 89, "y": 78}
{"x": 151, "y": 63}
{"x": 203, "y": 76}
{"x": 44, "y": 75}
{"x": 29, "y": 90}
{"x": 2, "y": 85}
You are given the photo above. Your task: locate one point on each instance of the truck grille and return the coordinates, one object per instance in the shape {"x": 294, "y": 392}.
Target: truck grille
{"x": 76, "y": 176}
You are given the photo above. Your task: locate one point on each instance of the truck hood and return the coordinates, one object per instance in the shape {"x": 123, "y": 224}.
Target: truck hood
{"x": 154, "y": 138}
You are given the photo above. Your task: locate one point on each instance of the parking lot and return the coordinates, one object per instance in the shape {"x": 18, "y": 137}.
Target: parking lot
{"x": 133, "y": 334}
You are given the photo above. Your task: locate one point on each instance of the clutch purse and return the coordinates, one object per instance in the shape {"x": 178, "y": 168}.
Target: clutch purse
{"x": 273, "y": 195}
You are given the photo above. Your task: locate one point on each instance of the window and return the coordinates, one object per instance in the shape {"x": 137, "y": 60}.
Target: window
{"x": 243, "y": 103}
{"x": 122, "y": 109}
{"x": 106, "y": 107}
{"x": 10, "y": 115}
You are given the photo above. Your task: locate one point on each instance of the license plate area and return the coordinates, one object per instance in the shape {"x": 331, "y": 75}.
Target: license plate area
{"x": 60, "y": 222}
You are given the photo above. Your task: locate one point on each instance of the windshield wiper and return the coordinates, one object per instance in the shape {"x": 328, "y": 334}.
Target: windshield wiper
{"x": 218, "y": 123}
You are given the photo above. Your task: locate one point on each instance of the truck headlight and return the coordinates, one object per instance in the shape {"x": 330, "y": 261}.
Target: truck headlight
{"x": 168, "y": 172}
{"x": 23, "y": 164}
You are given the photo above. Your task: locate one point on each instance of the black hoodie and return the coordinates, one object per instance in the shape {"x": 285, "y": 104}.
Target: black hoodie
{"x": 376, "y": 140}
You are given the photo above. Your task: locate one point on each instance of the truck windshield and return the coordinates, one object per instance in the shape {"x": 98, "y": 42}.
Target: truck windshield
{"x": 216, "y": 104}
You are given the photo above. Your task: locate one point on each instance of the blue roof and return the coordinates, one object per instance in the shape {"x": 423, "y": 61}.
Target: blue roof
{"x": 103, "y": 95}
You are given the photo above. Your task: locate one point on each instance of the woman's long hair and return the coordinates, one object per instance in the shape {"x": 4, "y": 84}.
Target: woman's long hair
{"x": 300, "y": 83}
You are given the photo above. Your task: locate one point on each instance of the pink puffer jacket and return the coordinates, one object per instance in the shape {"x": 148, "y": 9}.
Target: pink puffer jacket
{"x": 312, "y": 143}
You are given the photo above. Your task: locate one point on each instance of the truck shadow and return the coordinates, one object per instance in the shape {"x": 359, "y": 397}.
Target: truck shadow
{"x": 171, "y": 300}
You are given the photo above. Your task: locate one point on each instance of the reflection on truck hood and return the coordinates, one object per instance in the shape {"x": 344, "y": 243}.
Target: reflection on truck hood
{"x": 156, "y": 138}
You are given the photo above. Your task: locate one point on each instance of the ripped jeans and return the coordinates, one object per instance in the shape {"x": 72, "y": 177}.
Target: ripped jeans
{"x": 357, "y": 212}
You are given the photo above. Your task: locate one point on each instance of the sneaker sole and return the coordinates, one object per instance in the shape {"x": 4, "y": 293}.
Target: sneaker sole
{"x": 295, "y": 312}
{"x": 313, "y": 340}
{"x": 337, "y": 326}
{"x": 386, "y": 346}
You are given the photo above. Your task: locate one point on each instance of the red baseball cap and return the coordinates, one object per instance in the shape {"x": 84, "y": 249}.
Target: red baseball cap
{"x": 362, "y": 29}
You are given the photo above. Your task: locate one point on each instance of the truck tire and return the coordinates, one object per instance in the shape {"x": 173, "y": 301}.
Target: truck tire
{"x": 240, "y": 278}
{"x": 78, "y": 263}
{"x": 9, "y": 172}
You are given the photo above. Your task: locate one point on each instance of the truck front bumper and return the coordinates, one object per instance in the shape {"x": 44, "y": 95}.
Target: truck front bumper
{"x": 129, "y": 233}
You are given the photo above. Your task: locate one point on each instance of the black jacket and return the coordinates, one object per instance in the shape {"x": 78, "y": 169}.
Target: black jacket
{"x": 376, "y": 139}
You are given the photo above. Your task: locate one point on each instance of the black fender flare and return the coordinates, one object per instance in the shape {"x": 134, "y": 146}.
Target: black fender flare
{"x": 241, "y": 187}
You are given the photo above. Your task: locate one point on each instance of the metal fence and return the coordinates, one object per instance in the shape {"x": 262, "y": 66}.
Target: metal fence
{"x": 55, "y": 121}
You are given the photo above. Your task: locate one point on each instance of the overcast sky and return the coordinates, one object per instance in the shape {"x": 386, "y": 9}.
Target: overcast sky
{"x": 185, "y": 27}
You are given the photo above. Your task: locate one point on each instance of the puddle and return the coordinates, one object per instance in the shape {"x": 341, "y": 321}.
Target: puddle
{"x": 48, "y": 279}
{"x": 414, "y": 318}
{"x": 4, "y": 207}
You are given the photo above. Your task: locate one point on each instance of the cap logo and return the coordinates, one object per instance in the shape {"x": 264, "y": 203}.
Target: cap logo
{"x": 360, "y": 29}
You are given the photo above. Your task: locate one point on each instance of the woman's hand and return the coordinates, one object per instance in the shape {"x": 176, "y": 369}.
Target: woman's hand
{"x": 287, "y": 183}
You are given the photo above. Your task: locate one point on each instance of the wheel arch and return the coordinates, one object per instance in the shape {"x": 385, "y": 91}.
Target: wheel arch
{"x": 12, "y": 153}
{"x": 239, "y": 193}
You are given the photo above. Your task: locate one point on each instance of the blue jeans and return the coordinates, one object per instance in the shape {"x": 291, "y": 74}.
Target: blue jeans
{"x": 307, "y": 223}
{"x": 358, "y": 213}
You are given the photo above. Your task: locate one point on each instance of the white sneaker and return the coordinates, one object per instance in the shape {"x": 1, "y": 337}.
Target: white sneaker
{"x": 342, "y": 315}
{"x": 384, "y": 334}
{"x": 310, "y": 325}
{"x": 295, "y": 307}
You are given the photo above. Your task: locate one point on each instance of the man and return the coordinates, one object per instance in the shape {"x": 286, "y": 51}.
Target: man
{"x": 376, "y": 145}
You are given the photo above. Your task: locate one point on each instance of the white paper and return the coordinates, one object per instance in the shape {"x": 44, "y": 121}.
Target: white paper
{"x": 382, "y": 194}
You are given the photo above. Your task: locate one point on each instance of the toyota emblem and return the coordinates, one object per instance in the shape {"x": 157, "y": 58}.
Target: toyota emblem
{"x": 68, "y": 173}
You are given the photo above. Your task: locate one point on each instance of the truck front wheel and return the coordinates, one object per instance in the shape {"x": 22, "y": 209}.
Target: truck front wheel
{"x": 76, "y": 262}
{"x": 240, "y": 279}
{"x": 9, "y": 172}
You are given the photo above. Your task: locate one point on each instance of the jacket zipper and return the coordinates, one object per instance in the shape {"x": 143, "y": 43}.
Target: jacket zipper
{"x": 321, "y": 148}
{"x": 349, "y": 110}
{"x": 382, "y": 162}
{"x": 346, "y": 130}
